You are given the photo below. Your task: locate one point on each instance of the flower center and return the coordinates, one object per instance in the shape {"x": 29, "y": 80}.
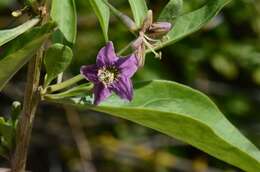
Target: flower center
{"x": 107, "y": 75}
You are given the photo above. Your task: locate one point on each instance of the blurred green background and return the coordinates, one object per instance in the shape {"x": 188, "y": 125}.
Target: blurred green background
{"x": 221, "y": 60}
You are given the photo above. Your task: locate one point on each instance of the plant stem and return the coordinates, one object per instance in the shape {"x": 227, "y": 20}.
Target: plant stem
{"x": 76, "y": 91}
{"x": 64, "y": 84}
{"x": 31, "y": 100}
{"x": 25, "y": 123}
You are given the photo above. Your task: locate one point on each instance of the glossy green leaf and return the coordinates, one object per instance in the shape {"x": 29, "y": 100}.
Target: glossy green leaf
{"x": 65, "y": 15}
{"x": 186, "y": 114}
{"x": 19, "y": 51}
{"x": 103, "y": 14}
{"x": 56, "y": 60}
{"x": 193, "y": 21}
{"x": 139, "y": 10}
{"x": 10, "y": 34}
{"x": 171, "y": 11}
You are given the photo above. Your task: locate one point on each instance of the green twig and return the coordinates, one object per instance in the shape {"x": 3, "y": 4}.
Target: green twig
{"x": 76, "y": 91}
{"x": 64, "y": 84}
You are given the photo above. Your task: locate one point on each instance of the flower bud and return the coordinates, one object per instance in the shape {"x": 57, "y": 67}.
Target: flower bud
{"x": 147, "y": 21}
{"x": 124, "y": 18}
{"x": 17, "y": 13}
{"x": 159, "y": 29}
{"x": 128, "y": 22}
{"x": 16, "y": 110}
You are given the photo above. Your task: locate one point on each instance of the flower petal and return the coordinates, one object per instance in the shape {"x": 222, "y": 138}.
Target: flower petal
{"x": 100, "y": 93}
{"x": 107, "y": 55}
{"x": 128, "y": 66}
{"x": 90, "y": 73}
{"x": 123, "y": 88}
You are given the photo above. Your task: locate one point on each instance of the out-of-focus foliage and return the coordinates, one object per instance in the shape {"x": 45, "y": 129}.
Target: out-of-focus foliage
{"x": 222, "y": 60}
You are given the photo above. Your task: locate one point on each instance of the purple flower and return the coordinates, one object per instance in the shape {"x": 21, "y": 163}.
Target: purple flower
{"x": 111, "y": 73}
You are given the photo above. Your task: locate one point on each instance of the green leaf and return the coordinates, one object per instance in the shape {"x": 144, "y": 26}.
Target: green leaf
{"x": 171, "y": 11}
{"x": 7, "y": 132}
{"x": 10, "y": 34}
{"x": 103, "y": 14}
{"x": 57, "y": 59}
{"x": 19, "y": 51}
{"x": 65, "y": 15}
{"x": 186, "y": 114}
{"x": 139, "y": 10}
{"x": 193, "y": 21}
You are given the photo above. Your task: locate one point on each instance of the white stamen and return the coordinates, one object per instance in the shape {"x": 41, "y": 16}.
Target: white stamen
{"x": 107, "y": 75}
{"x": 158, "y": 55}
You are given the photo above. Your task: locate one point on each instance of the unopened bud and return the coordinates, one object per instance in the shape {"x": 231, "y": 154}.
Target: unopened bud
{"x": 159, "y": 29}
{"x": 122, "y": 17}
{"x": 148, "y": 21}
{"x": 17, "y": 13}
{"x": 128, "y": 22}
{"x": 16, "y": 110}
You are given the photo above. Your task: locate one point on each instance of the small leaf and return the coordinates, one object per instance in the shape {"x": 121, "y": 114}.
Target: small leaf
{"x": 10, "y": 34}
{"x": 171, "y": 11}
{"x": 57, "y": 59}
{"x": 139, "y": 10}
{"x": 186, "y": 114}
{"x": 103, "y": 14}
{"x": 19, "y": 51}
{"x": 7, "y": 132}
{"x": 15, "y": 111}
{"x": 65, "y": 15}
{"x": 193, "y": 21}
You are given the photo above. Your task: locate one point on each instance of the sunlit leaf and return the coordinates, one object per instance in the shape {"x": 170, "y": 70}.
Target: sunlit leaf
{"x": 103, "y": 14}
{"x": 186, "y": 114}
{"x": 193, "y": 21}
{"x": 10, "y": 34}
{"x": 171, "y": 11}
{"x": 65, "y": 15}
{"x": 139, "y": 9}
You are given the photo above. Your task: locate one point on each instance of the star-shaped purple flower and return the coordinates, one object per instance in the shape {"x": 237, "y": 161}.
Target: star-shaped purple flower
{"x": 111, "y": 73}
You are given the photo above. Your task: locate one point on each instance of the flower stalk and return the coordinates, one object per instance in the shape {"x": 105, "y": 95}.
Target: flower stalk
{"x": 127, "y": 21}
{"x": 76, "y": 91}
{"x": 63, "y": 85}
